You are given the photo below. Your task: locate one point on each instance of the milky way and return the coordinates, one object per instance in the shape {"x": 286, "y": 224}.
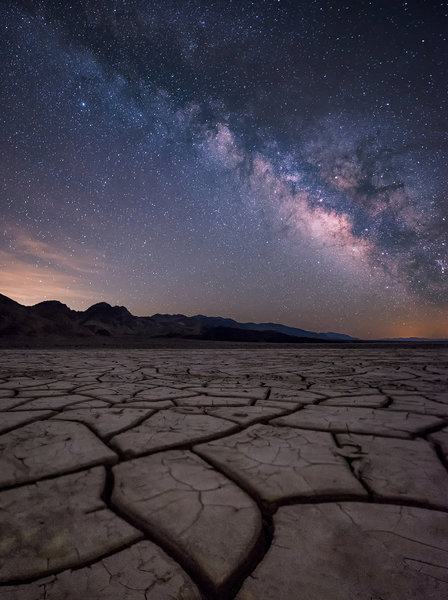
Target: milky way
{"x": 266, "y": 160}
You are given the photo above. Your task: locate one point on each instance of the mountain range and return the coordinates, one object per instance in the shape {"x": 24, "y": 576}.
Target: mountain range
{"x": 53, "y": 318}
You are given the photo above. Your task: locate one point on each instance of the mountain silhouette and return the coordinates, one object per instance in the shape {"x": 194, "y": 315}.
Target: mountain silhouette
{"x": 53, "y": 318}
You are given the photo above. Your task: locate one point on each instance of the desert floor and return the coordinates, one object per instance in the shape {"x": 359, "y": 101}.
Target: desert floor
{"x": 301, "y": 473}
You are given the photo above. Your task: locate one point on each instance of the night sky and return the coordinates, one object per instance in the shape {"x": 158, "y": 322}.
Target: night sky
{"x": 265, "y": 161}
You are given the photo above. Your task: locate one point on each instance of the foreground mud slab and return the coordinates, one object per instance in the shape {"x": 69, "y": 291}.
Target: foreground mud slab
{"x": 180, "y": 500}
{"x": 354, "y": 551}
{"x": 138, "y": 573}
{"x": 56, "y": 524}
{"x": 223, "y": 474}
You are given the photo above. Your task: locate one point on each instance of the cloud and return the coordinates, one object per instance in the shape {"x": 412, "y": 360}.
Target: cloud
{"x": 76, "y": 260}
{"x": 33, "y": 270}
{"x": 30, "y": 284}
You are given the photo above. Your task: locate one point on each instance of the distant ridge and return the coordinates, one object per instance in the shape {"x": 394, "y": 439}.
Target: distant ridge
{"x": 230, "y": 323}
{"x": 53, "y": 318}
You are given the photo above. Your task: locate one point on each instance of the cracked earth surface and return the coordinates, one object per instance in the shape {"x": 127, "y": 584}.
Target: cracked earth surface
{"x": 309, "y": 473}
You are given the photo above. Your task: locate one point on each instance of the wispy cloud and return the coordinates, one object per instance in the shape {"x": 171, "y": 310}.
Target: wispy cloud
{"x": 65, "y": 255}
{"x": 32, "y": 270}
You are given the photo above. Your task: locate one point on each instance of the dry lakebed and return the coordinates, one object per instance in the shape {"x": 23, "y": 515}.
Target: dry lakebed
{"x": 302, "y": 473}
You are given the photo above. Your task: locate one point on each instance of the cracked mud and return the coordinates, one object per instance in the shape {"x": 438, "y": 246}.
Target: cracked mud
{"x": 224, "y": 474}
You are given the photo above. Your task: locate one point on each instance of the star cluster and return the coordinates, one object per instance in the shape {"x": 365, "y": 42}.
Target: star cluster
{"x": 265, "y": 160}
